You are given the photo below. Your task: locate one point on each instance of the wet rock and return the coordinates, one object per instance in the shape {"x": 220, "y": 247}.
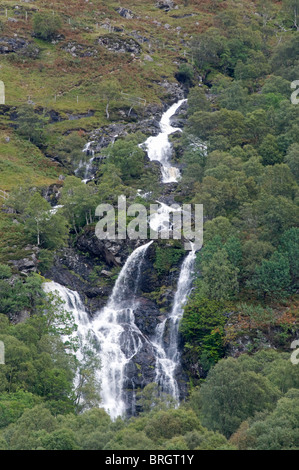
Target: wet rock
{"x": 52, "y": 193}
{"x": 74, "y": 271}
{"x": 54, "y": 116}
{"x": 144, "y": 364}
{"x": 111, "y": 252}
{"x": 26, "y": 265}
{"x": 106, "y": 273}
{"x": 147, "y": 316}
{"x": 174, "y": 91}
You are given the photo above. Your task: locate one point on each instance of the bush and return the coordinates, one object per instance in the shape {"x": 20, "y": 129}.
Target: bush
{"x": 46, "y": 26}
{"x": 185, "y": 74}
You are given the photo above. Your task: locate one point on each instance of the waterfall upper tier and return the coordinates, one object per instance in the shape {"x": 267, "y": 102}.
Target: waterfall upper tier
{"x": 160, "y": 149}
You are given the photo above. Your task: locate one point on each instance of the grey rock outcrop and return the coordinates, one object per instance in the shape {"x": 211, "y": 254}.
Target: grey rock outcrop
{"x": 9, "y": 45}
{"x": 125, "y": 13}
{"x": 118, "y": 44}
{"x": 165, "y": 5}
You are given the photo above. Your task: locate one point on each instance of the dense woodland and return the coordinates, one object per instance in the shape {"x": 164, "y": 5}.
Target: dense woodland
{"x": 239, "y": 157}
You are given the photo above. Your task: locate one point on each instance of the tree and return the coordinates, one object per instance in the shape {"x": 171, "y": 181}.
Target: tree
{"x": 292, "y": 160}
{"x": 61, "y": 439}
{"x": 272, "y": 277}
{"x": 269, "y": 150}
{"x": 197, "y": 100}
{"x": 79, "y": 202}
{"x": 234, "y": 96}
{"x": 219, "y": 278}
{"x": 152, "y": 398}
{"x": 87, "y": 385}
{"x": 272, "y": 431}
{"x": 126, "y": 155}
{"x": 218, "y": 226}
{"x": 272, "y": 215}
{"x": 109, "y": 91}
{"x": 31, "y": 126}
{"x": 289, "y": 247}
{"x": 68, "y": 150}
{"x": 292, "y": 9}
{"x": 23, "y": 435}
{"x": 48, "y": 229}
{"x": 254, "y": 251}
{"x": 202, "y": 327}
{"x": 231, "y": 394}
{"x": 46, "y": 25}
{"x": 208, "y": 49}
{"x": 185, "y": 74}
{"x": 17, "y": 295}
{"x": 278, "y": 180}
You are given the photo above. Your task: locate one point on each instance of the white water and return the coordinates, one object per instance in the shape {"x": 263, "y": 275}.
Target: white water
{"x": 168, "y": 356}
{"x": 160, "y": 149}
{"x": 85, "y": 164}
{"x": 160, "y": 219}
{"x": 73, "y": 304}
{"x": 118, "y": 336}
{"x": 113, "y": 328}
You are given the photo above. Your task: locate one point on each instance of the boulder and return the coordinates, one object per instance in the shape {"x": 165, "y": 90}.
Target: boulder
{"x": 125, "y": 13}
{"x": 9, "y": 45}
{"x": 118, "y": 44}
{"x": 165, "y": 5}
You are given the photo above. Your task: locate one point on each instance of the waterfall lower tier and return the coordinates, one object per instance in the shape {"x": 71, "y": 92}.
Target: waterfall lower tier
{"x": 121, "y": 345}
{"x": 117, "y": 339}
{"x": 168, "y": 355}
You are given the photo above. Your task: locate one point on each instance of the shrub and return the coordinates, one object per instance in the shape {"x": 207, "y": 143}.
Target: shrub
{"x": 46, "y": 26}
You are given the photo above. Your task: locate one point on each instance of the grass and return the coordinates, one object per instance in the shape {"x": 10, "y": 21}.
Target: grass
{"x": 21, "y": 163}
{"x": 55, "y": 79}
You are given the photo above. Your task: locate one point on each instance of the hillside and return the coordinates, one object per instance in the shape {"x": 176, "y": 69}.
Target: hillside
{"x": 137, "y": 343}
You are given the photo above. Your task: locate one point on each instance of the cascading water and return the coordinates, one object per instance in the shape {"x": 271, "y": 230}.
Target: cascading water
{"x": 168, "y": 356}
{"x": 118, "y": 339}
{"x": 86, "y": 165}
{"x": 160, "y": 149}
{"x": 73, "y": 304}
{"x": 116, "y": 336}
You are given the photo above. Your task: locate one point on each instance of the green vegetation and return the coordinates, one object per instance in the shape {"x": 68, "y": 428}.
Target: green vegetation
{"x": 239, "y": 157}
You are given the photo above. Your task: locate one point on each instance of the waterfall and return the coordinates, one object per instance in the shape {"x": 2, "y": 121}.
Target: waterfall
{"x": 118, "y": 337}
{"x": 72, "y": 303}
{"x": 168, "y": 356}
{"x": 85, "y": 167}
{"x": 160, "y": 149}
{"x": 113, "y": 328}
